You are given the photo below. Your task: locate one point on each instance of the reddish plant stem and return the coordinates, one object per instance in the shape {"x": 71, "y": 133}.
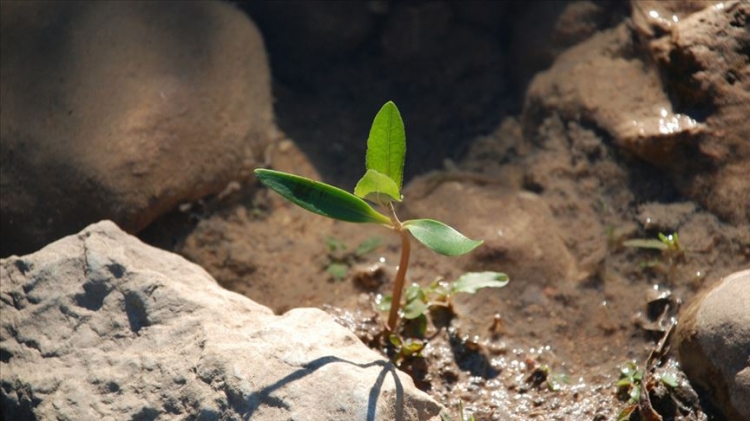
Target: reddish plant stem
{"x": 398, "y": 284}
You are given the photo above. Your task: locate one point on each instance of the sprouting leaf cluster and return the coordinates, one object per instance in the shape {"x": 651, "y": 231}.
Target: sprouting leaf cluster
{"x": 630, "y": 385}
{"x": 420, "y": 300}
{"x": 668, "y": 244}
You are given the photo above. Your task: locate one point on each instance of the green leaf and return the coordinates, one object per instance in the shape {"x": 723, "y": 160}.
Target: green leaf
{"x": 416, "y": 327}
{"x": 334, "y": 244}
{"x": 320, "y": 198}
{"x": 414, "y": 309}
{"x": 337, "y": 270}
{"x": 411, "y": 347}
{"x": 386, "y": 146}
{"x": 377, "y": 188}
{"x": 670, "y": 379}
{"x": 645, "y": 244}
{"x": 367, "y": 245}
{"x": 440, "y": 237}
{"x": 414, "y": 292}
{"x": 383, "y": 303}
{"x": 472, "y": 281}
{"x": 672, "y": 241}
{"x": 628, "y": 369}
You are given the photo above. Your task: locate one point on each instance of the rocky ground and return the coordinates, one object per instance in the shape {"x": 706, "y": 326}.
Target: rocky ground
{"x": 556, "y": 133}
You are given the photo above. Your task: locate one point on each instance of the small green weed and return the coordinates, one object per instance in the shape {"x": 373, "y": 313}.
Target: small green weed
{"x": 420, "y": 300}
{"x": 672, "y": 252}
{"x": 444, "y": 416}
{"x": 630, "y": 388}
{"x": 668, "y": 244}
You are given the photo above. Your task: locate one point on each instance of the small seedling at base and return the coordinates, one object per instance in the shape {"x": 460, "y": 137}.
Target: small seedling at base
{"x": 668, "y": 244}
{"x": 381, "y": 185}
{"x": 671, "y": 250}
{"x": 630, "y": 388}
{"x": 420, "y": 300}
{"x": 444, "y": 416}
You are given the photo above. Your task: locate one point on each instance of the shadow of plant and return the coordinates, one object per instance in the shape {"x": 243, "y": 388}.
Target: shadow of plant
{"x": 263, "y": 396}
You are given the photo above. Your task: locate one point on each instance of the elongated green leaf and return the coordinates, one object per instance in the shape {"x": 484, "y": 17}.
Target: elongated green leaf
{"x": 386, "y": 146}
{"x": 645, "y": 244}
{"x": 320, "y": 198}
{"x": 473, "y": 281}
{"x": 440, "y": 237}
{"x": 377, "y": 188}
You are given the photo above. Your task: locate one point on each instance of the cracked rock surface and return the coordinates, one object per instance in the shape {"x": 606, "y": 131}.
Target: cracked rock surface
{"x": 99, "y": 326}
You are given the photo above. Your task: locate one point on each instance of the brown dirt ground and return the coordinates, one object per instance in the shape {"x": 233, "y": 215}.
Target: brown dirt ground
{"x": 554, "y": 208}
{"x": 601, "y": 311}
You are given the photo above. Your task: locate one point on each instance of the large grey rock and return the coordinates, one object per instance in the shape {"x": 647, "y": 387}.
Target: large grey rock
{"x": 123, "y": 110}
{"x": 99, "y": 326}
{"x": 714, "y": 344}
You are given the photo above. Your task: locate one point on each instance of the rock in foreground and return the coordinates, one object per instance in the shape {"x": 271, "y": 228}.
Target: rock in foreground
{"x": 100, "y": 326}
{"x": 714, "y": 344}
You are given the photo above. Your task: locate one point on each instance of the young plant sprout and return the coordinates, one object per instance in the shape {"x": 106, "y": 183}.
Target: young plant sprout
{"x": 381, "y": 185}
{"x": 668, "y": 244}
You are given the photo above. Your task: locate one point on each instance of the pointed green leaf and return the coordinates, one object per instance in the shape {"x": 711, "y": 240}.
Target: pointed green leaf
{"x": 386, "y": 146}
{"x": 645, "y": 244}
{"x": 383, "y": 303}
{"x": 414, "y": 309}
{"x": 440, "y": 237}
{"x": 320, "y": 198}
{"x": 377, "y": 188}
{"x": 473, "y": 281}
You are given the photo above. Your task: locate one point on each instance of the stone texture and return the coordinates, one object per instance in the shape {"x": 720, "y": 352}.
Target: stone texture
{"x": 671, "y": 94}
{"x": 599, "y": 80}
{"x": 714, "y": 344}
{"x": 123, "y": 110}
{"x": 704, "y": 60}
{"x": 99, "y": 326}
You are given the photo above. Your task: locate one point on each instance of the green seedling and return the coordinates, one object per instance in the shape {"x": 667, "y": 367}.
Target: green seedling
{"x": 380, "y": 185}
{"x": 665, "y": 243}
{"x": 629, "y": 384}
{"x": 340, "y": 258}
{"x": 407, "y": 348}
{"x": 555, "y": 380}
{"x": 444, "y": 416}
{"x": 630, "y": 388}
{"x": 420, "y": 300}
{"x": 668, "y": 244}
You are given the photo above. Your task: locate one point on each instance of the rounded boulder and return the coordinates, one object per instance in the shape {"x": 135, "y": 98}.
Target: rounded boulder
{"x": 714, "y": 344}
{"x": 122, "y": 111}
